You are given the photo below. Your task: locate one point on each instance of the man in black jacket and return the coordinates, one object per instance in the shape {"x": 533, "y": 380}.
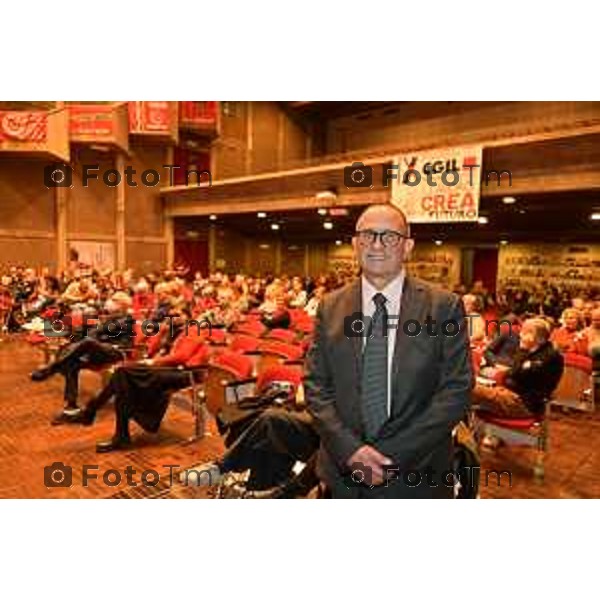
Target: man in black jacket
{"x": 100, "y": 346}
{"x": 536, "y": 371}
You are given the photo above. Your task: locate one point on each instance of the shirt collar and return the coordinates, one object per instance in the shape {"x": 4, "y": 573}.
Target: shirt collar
{"x": 391, "y": 291}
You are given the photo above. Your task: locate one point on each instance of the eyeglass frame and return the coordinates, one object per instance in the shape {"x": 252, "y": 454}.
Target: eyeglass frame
{"x": 375, "y": 235}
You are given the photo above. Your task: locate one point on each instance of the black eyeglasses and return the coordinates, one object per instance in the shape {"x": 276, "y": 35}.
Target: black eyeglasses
{"x": 368, "y": 237}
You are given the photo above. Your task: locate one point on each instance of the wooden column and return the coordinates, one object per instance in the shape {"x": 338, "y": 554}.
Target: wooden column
{"x": 169, "y": 222}
{"x": 306, "y": 262}
{"x": 170, "y": 241}
{"x": 249, "y": 137}
{"x": 61, "y": 195}
{"x": 120, "y": 214}
{"x": 247, "y": 255}
{"x": 278, "y": 257}
{"x": 212, "y": 247}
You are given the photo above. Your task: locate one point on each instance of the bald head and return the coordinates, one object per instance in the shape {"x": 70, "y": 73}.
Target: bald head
{"x": 384, "y": 213}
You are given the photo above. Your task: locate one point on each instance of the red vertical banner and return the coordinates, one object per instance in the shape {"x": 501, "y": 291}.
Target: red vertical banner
{"x": 149, "y": 117}
{"x": 197, "y": 112}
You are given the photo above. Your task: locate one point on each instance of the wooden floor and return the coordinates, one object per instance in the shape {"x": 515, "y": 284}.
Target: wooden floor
{"x": 28, "y": 444}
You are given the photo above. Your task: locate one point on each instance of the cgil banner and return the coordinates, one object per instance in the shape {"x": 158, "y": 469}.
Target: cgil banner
{"x": 438, "y": 186}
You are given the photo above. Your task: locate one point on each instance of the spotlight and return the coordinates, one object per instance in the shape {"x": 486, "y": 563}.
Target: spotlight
{"x": 509, "y": 200}
{"x": 438, "y": 242}
{"x": 595, "y": 216}
{"x": 274, "y": 226}
{"x": 261, "y": 215}
{"x": 483, "y": 220}
{"x": 213, "y": 217}
{"x": 322, "y": 211}
{"x": 504, "y": 242}
{"x": 326, "y": 195}
{"x": 328, "y": 225}
{"x": 338, "y": 242}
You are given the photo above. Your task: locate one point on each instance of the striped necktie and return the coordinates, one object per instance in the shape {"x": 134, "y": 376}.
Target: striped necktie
{"x": 375, "y": 371}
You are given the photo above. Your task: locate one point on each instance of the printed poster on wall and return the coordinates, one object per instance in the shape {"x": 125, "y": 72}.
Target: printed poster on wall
{"x": 96, "y": 255}
{"x": 438, "y": 186}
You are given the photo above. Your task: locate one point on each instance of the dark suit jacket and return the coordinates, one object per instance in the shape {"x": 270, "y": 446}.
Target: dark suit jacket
{"x": 431, "y": 386}
{"x": 535, "y": 375}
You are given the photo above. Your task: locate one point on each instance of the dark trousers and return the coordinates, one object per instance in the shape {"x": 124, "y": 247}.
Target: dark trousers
{"x": 270, "y": 446}
{"x": 88, "y": 353}
{"x": 138, "y": 392}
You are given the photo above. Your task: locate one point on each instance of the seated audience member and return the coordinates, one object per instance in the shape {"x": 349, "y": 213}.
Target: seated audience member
{"x": 570, "y": 337}
{"x": 100, "y": 346}
{"x": 536, "y": 371}
{"x": 313, "y": 304}
{"x": 475, "y": 322}
{"x": 501, "y": 350}
{"x": 592, "y": 337}
{"x": 267, "y": 442}
{"x": 141, "y": 390}
{"x": 588, "y": 308}
{"x": 297, "y": 295}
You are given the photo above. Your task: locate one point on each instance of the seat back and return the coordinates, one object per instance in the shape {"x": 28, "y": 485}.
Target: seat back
{"x": 576, "y": 386}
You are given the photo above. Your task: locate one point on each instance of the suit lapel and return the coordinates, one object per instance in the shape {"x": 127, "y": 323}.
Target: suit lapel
{"x": 355, "y": 306}
{"x": 410, "y": 308}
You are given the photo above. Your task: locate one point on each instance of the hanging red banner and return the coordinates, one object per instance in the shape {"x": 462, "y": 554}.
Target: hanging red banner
{"x": 198, "y": 112}
{"x": 22, "y": 126}
{"x": 149, "y": 117}
{"x": 94, "y": 120}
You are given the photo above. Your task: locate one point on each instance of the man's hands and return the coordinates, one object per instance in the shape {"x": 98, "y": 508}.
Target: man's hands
{"x": 372, "y": 459}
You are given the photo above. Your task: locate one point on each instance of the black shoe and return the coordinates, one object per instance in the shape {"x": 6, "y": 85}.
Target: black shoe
{"x": 113, "y": 444}
{"x": 68, "y": 415}
{"x": 42, "y": 374}
{"x": 84, "y": 417}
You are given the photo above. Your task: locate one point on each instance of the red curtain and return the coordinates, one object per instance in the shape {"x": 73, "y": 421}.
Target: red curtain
{"x": 485, "y": 267}
{"x": 193, "y": 254}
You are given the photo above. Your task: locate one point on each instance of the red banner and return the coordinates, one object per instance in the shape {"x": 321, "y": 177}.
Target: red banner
{"x": 149, "y": 117}
{"x": 91, "y": 120}
{"x": 22, "y": 126}
{"x": 198, "y": 112}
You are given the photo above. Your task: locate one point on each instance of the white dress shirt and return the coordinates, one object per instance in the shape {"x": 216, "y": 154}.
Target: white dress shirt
{"x": 393, "y": 294}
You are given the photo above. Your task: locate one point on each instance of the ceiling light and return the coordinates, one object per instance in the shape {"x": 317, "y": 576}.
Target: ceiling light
{"x": 595, "y": 216}
{"x": 322, "y": 211}
{"x": 509, "y": 200}
{"x": 326, "y": 195}
{"x": 261, "y": 215}
{"x": 438, "y": 242}
{"x": 274, "y": 226}
{"x": 504, "y": 242}
{"x": 213, "y": 217}
{"x": 482, "y": 220}
{"x": 328, "y": 225}
{"x": 264, "y": 246}
{"x": 338, "y": 242}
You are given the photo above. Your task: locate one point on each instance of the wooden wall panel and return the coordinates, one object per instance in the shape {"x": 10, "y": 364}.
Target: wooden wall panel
{"x": 265, "y": 136}
{"x": 144, "y": 257}
{"x": 294, "y": 145}
{"x": 292, "y": 259}
{"x": 143, "y": 205}
{"x": 25, "y": 202}
{"x": 28, "y": 252}
{"x": 91, "y": 210}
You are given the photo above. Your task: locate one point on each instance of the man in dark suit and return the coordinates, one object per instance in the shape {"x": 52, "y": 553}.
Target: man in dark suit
{"x": 385, "y": 404}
